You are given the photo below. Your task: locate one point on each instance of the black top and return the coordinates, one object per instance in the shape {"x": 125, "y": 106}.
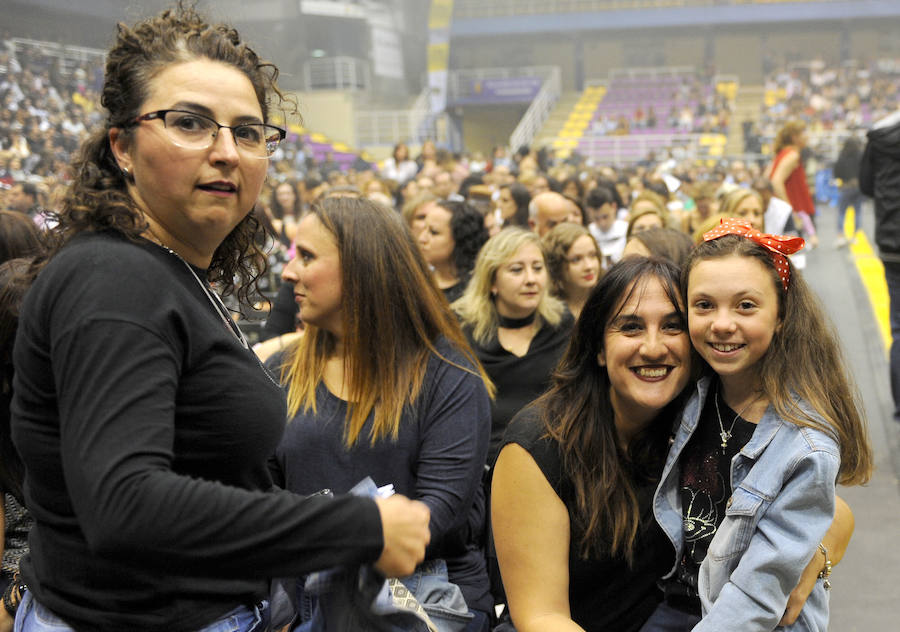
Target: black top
{"x": 520, "y": 380}
{"x": 282, "y": 313}
{"x": 604, "y": 593}
{"x": 704, "y": 492}
{"x": 438, "y": 458}
{"x": 879, "y": 178}
{"x": 146, "y": 428}
{"x": 455, "y": 291}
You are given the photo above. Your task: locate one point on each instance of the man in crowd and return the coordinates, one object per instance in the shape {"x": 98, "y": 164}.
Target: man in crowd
{"x": 23, "y": 197}
{"x": 605, "y": 227}
{"x": 879, "y": 178}
{"x": 548, "y": 209}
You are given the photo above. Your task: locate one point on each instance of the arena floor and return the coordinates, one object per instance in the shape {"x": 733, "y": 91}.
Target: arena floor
{"x": 866, "y": 593}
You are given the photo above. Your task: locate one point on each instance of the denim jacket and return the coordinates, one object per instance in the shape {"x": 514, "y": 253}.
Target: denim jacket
{"x": 782, "y": 503}
{"x": 360, "y": 598}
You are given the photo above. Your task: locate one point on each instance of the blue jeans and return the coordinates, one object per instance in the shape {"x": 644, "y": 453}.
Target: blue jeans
{"x": 34, "y": 617}
{"x": 360, "y": 599}
{"x": 850, "y": 196}
{"x": 668, "y": 619}
{"x": 892, "y": 277}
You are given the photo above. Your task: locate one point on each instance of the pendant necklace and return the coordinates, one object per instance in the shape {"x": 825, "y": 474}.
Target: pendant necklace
{"x": 214, "y": 300}
{"x": 218, "y": 306}
{"x": 725, "y": 435}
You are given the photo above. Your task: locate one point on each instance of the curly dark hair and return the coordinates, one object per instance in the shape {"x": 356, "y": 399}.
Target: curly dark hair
{"x": 468, "y": 232}
{"x": 98, "y": 199}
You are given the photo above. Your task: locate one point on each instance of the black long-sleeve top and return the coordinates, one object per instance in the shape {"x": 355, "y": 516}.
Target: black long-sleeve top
{"x": 519, "y": 380}
{"x": 145, "y": 428}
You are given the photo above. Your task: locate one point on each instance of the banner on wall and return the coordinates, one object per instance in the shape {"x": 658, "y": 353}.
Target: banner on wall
{"x": 500, "y": 90}
{"x": 439, "y": 18}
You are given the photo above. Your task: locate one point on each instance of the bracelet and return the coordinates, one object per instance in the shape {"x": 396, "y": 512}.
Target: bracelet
{"x": 825, "y": 573}
{"x": 12, "y": 596}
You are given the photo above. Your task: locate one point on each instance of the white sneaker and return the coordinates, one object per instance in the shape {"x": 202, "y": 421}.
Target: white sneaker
{"x": 841, "y": 242}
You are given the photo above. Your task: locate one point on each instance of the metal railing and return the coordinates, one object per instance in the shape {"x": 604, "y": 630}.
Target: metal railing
{"x": 652, "y": 72}
{"x": 506, "y": 8}
{"x": 336, "y": 73}
{"x": 387, "y": 127}
{"x": 70, "y": 55}
{"x": 538, "y": 112}
{"x": 628, "y": 149}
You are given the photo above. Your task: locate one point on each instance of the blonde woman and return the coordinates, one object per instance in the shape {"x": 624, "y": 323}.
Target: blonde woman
{"x": 745, "y": 204}
{"x": 517, "y": 329}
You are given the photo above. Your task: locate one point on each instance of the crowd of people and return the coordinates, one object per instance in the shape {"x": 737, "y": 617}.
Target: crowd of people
{"x": 604, "y": 399}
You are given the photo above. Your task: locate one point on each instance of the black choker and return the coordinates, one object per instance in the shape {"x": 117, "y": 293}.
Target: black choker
{"x": 516, "y": 323}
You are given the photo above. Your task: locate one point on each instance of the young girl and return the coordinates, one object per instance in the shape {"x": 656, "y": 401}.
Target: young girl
{"x": 772, "y": 426}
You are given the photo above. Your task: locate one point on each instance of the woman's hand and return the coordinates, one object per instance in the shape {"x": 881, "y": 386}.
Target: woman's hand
{"x": 835, "y": 541}
{"x": 404, "y": 523}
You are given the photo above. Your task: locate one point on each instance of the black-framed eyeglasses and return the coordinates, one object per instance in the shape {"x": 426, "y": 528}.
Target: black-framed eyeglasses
{"x": 197, "y": 131}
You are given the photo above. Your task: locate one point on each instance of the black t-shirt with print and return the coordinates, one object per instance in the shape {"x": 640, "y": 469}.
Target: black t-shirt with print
{"x": 705, "y": 486}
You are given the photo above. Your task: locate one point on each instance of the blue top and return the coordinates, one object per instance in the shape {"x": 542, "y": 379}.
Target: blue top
{"x": 782, "y": 503}
{"x": 438, "y": 458}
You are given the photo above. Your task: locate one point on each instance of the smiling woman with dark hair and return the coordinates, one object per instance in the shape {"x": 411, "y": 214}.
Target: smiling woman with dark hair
{"x": 573, "y": 485}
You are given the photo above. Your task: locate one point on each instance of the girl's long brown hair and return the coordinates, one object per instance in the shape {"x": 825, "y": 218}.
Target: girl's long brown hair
{"x": 577, "y": 413}
{"x": 804, "y": 360}
{"x": 392, "y": 315}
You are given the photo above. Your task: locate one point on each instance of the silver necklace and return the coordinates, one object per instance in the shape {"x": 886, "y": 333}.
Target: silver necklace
{"x": 725, "y": 435}
{"x": 214, "y": 300}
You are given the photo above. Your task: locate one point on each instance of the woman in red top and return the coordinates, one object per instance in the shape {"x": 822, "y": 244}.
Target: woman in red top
{"x": 789, "y": 178}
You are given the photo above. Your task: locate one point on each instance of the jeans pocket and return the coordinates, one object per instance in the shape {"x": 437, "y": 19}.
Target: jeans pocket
{"x": 241, "y": 619}
{"x": 34, "y": 617}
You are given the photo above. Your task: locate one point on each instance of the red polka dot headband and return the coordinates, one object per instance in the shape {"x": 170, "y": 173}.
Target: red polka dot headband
{"x": 777, "y": 245}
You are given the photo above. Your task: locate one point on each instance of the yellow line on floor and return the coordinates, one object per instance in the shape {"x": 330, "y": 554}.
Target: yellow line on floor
{"x": 871, "y": 271}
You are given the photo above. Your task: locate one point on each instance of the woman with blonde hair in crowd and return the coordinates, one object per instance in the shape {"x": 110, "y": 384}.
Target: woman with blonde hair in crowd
{"x": 788, "y": 176}
{"x": 415, "y": 210}
{"x": 573, "y": 261}
{"x": 745, "y": 204}
{"x": 516, "y": 327}
{"x": 384, "y": 384}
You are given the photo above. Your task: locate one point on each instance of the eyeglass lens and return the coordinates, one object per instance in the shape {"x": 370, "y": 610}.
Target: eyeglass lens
{"x": 195, "y": 131}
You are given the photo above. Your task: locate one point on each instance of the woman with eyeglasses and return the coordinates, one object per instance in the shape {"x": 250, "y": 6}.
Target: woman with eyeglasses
{"x": 143, "y": 419}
